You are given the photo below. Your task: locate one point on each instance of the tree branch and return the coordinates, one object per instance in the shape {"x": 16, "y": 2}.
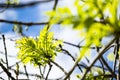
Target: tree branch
{"x": 97, "y": 57}
{"x": 22, "y": 5}
{"x": 50, "y": 67}
{"x": 6, "y": 71}
{"x": 23, "y": 23}
{"x": 26, "y": 72}
{"x": 62, "y": 69}
{"x": 105, "y": 76}
{"x": 6, "y": 7}
{"x": 6, "y": 57}
{"x": 72, "y": 58}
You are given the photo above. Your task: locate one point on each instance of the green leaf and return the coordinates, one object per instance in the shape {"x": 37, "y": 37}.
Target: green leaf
{"x": 40, "y": 50}
{"x": 90, "y": 20}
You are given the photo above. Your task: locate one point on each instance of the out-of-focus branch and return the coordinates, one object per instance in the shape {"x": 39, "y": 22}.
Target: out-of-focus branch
{"x": 67, "y": 52}
{"x": 31, "y": 24}
{"x": 22, "y": 5}
{"x": 55, "y": 4}
{"x": 2, "y": 78}
{"x": 6, "y": 7}
{"x": 54, "y": 8}
{"x": 105, "y": 63}
{"x": 78, "y": 46}
{"x": 23, "y": 23}
{"x": 105, "y": 76}
{"x": 97, "y": 57}
{"x": 56, "y": 64}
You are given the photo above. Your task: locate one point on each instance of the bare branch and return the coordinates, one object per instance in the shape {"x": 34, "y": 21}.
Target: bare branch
{"x": 55, "y": 4}
{"x": 6, "y": 57}
{"x": 50, "y": 67}
{"x": 23, "y": 23}
{"x": 97, "y": 57}
{"x": 6, "y": 71}
{"x": 26, "y": 72}
{"x": 22, "y": 5}
{"x": 72, "y": 58}
{"x": 62, "y": 69}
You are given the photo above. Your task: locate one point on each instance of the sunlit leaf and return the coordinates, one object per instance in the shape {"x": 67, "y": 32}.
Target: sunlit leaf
{"x": 95, "y": 19}
{"x": 38, "y": 51}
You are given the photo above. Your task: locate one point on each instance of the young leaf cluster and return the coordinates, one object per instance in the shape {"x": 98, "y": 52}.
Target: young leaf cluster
{"x": 94, "y": 19}
{"x": 38, "y": 51}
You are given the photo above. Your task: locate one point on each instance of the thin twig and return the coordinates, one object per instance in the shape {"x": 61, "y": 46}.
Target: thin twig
{"x": 30, "y": 74}
{"x": 62, "y": 69}
{"x": 85, "y": 66}
{"x": 78, "y": 46}
{"x": 17, "y": 71}
{"x": 116, "y": 48}
{"x": 6, "y": 71}
{"x": 41, "y": 71}
{"x": 23, "y": 5}
{"x": 11, "y": 66}
{"x": 118, "y": 75}
{"x": 108, "y": 67}
{"x": 50, "y": 67}
{"x": 98, "y": 50}
{"x": 118, "y": 57}
{"x": 54, "y": 8}
{"x": 23, "y": 23}
{"x": 44, "y": 70}
{"x": 26, "y": 72}
{"x": 5, "y": 48}
{"x": 72, "y": 58}
{"x": 97, "y": 57}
